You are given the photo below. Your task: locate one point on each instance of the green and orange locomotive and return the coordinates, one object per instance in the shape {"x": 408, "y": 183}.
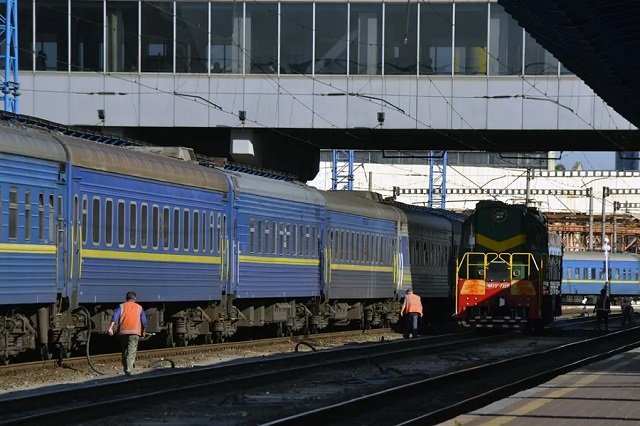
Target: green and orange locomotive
{"x": 509, "y": 269}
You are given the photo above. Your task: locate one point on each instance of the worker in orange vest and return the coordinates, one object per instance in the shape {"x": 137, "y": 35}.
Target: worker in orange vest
{"x": 132, "y": 323}
{"x": 411, "y": 310}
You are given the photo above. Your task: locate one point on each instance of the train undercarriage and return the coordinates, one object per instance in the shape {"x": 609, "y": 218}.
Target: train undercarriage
{"x": 59, "y": 330}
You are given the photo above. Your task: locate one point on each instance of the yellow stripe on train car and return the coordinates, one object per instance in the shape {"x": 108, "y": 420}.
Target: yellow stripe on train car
{"x": 501, "y": 246}
{"x": 280, "y": 260}
{"x": 365, "y": 268}
{"x": 28, "y": 248}
{"x": 149, "y": 257}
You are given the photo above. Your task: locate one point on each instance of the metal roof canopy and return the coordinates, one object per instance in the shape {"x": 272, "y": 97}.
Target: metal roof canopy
{"x": 598, "y": 40}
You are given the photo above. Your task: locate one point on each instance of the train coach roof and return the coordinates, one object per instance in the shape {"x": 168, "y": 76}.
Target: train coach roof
{"x": 599, "y": 255}
{"x": 107, "y": 158}
{"x": 31, "y": 143}
{"x": 290, "y": 191}
{"x": 361, "y": 205}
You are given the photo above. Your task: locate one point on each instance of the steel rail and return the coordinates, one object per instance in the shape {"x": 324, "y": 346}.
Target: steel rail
{"x": 89, "y": 402}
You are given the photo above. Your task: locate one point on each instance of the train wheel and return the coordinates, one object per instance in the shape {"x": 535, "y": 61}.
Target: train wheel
{"x": 207, "y": 339}
{"x": 288, "y": 332}
{"x": 218, "y": 337}
{"x": 279, "y": 330}
{"x": 183, "y": 341}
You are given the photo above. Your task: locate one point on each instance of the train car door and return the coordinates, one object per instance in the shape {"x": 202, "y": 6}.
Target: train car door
{"x": 325, "y": 259}
{"x": 75, "y": 245}
{"x": 234, "y": 280}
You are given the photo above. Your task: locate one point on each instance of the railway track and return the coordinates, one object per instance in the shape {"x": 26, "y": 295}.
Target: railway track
{"x": 99, "y": 400}
{"x": 437, "y": 399}
{"x": 157, "y": 354}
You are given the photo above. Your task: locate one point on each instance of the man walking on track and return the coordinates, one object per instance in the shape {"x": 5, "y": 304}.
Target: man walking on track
{"x": 132, "y": 323}
{"x": 411, "y": 309}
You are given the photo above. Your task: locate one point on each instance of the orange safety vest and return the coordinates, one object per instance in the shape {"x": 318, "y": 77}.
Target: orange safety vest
{"x": 412, "y": 303}
{"x": 130, "y": 318}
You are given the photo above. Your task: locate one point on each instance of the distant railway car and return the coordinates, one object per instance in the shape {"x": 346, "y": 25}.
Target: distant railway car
{"x": 509, "y": 268}
{"x": 583, "y": 275}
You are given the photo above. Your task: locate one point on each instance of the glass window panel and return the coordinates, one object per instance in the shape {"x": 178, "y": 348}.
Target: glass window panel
{"x": 226, "y": 38}
{"x": 165, "y": 227}
{"x": 121, "y": 223}
{"x": 505, "y": 43}
{"x": 41, "y": 218}
{"x": 155, "y": 222}
{"x": 192, "y": 28}
{"x": 108, "y": 222}
{"x": 87, "y": 33}
{"x": 95, "y": 221}
{"x": 85, "y": 218}
{"x": 196, "y": 231}
{"x": 185, "y": 230}
{"x": 25, "y": 35}
{"x": 176, "y": 228}
{"x": 366, "y": 38}
{"x": 157, "y": 36}
{"x": 122, "y": 37}
{"x": 436, "y": 28}
{"x": 262, "y": 37}
{"x": 144, "y": 225}
{"x": 436, "y": 31}
{"x": 51, "y": 35}
{"x": 400, "y": 39}
{"x": 331, "y": 39}
{"x": 537, "y": 60}
{"x": 133, "y": 224}
{"x": 27, "y": 215}
{"x": 470, "y": 56}
{"x": 296, "y": 31}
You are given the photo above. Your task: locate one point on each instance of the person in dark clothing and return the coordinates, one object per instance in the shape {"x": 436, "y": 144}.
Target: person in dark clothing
{"x": 603, "y": 309}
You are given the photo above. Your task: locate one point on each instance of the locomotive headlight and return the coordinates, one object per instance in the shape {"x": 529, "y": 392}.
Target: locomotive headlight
{"x": 516, "y": 273}
{"x": 499, "y": 215}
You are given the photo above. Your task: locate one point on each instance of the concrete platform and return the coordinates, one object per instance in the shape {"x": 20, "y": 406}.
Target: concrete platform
{"x": 603, "y": 393}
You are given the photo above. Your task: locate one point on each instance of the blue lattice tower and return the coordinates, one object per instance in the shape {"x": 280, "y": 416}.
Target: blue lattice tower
{"x": 342, "y": 163}
{"x": 9, "y": 54}
{"x": 437, "y": 180}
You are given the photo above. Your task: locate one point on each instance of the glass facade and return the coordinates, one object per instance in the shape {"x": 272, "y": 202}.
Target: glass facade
{"x": 270, "y": 37}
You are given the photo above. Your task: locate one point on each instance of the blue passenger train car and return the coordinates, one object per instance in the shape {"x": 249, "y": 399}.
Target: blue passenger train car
{"x": 583, "y": 275}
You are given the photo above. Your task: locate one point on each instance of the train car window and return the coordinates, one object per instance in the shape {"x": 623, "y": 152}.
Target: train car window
{"x": 185, "y": 230}
{"x": 211, "y": 227}
{"x": 85, "y": 218}
{"x": 204, "y": 232}
{"x": 27, "y": 215}
{"x": 281, "y": 239}
{"x": 341, "y": 245}
{"x": 592, "y": 273}
{"x": 95, "y": 221}
{"x": 165, "y": 226}
{"x": 41, "y": 216}
{"x": 585, "y": 273}
{"x": 196, "y": 231}
{"x": 120, "y": 223}
{"x": 288, "y": 240}
{"x": 52, "y": 215}
{"x": 252, "y": 236}
{"x": 301, "y": 241}
{"x": 108, "y": 222}
{"x": 617, "y": 274}
{"x": 175, "y": 227}
{"x": 144, "y": 225}
{"x": 347, "y": 250}
{"x": 577, "y": 271}
{"x": 601, "y": 273}
{"x": 219, "y": 236}
{"x": 155, "y": 227}
{"x": 637, "y": 275}
{"x": 334, "y": 240}
{"x": 365, "y": 256}
{"x": 133, "y": 224}
{"x": 314, "y": 245}
{"x": 267, "y": 234}
{"x": 259, "y": 233}
{"x": 274, "y": 237}
{"x": 0, "y": 212}
{"x": 351, "y": 250}
{"x": 295, "y": 239}
{"x": 624, "y": 274}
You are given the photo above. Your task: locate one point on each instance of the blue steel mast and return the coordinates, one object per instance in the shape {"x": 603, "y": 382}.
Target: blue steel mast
{"x": 339, "y": 165}
{"x": 9, "y": 55}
